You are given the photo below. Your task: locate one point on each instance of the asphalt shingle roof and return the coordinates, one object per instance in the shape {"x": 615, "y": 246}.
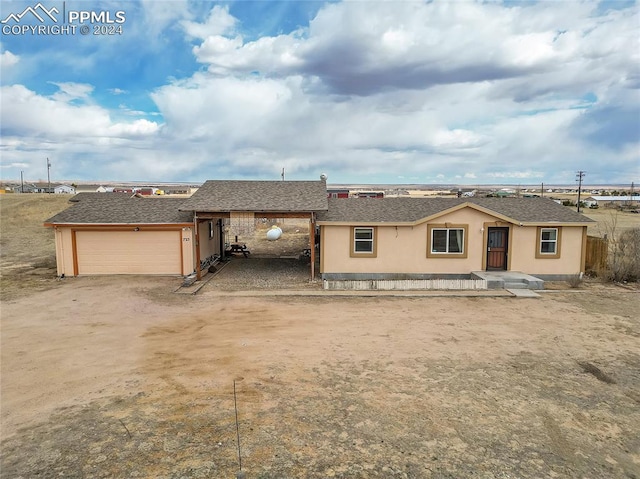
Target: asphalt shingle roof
{"x": 121, "y": 208}
{"x": 409, "y": 210}
{"x": 294, "y": 196}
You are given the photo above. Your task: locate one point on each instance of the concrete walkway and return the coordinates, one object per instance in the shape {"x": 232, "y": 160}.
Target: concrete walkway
{"x": 368, "y": 293}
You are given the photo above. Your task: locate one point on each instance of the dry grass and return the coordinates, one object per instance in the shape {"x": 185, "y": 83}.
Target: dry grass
{"x": 23, "y": 238}
{"x": 605, "y": 217}
{"x": 27, "y": 248}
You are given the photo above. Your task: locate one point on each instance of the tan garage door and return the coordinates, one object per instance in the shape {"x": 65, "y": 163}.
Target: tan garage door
{"x": 129, "y": 252}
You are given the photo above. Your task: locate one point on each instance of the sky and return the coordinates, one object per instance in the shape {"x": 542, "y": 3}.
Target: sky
{"x": 427, "y": 92}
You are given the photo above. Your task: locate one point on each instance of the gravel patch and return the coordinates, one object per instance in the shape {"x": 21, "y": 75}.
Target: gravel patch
{"x": 241, "y": 274}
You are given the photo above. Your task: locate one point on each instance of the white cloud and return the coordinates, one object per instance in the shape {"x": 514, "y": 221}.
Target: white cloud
{"x": 218, "y": 23}
{"x": 8, "y": 59}
{"x": 370, "y": 90}
{"x": 57, "y": 120}
{"x": 160, "y": 14}
{"x": 15, "y": 165}
{"x": 72, "y": 91}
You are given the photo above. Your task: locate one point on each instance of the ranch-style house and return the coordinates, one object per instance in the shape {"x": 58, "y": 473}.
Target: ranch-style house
{"x": 355, "y": 238}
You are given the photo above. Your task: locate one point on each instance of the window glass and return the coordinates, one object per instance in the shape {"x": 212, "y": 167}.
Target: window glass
{"x": 549, "y": 235}
{"x": 439, "y": 241}
{"x": 455, "y": 240}
{"x": 548, "y": 240}
{"x": 362, "y": 233}
{"x": 363, "y": 240}
{"x": 447, "y": 240}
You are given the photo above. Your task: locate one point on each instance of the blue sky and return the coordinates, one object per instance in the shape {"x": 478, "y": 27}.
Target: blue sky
{"x": 365, "y": 91}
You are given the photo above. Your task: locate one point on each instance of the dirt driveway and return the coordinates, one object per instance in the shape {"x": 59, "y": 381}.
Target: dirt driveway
{"x": 119, "y": 377}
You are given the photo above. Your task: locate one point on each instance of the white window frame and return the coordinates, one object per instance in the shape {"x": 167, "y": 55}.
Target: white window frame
{"x": 357, "y": 240}
{"x": 371, "y": 252}
{"x": 554, "y": 241}
{"x": 449, "y": 231}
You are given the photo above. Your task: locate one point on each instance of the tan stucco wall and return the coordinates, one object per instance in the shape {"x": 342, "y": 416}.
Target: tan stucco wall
{"x": 524, "y": 252}
{"x": 403, "y": 249}
{"x": 64, "y": 251}
{"x": 208, "y": 246}
{"x": 188, "y": 252}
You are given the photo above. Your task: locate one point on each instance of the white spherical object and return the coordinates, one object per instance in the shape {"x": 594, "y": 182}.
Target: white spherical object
{"x": 274, "y": 233}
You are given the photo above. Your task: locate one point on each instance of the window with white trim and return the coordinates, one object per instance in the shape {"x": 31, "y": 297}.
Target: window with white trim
{"x": 363, "y": 240}
{"x": 447, "y": 240}
{"x": 549, "y": 241}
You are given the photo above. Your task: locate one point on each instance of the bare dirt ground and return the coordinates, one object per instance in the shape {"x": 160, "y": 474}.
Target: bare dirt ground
{"x": 119, "y": 377}
{"x": 294, "y": 239}
{"x": 423, "y": 387}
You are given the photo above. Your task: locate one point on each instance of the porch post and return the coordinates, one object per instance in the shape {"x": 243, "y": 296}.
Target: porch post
{"x": 312, "y": 245}
{"x": 196, "y": 235}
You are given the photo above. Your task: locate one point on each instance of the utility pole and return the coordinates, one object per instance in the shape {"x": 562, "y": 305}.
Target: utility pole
{"x": 579, "y": 175}
{"x": 21, "y": 181}
{"x": 48, "y": 176}
{"x": 542, "y": 190}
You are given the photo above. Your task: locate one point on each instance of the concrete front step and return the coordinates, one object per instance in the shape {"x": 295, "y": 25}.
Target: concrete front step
{"x": 516, "y": 286}
{"x": 508, "y": 280}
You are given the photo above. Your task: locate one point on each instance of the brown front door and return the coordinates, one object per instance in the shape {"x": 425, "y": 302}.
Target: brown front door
{"x": 497, "y": 246}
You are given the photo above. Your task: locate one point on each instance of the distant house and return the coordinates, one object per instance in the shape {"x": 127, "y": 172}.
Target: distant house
{"x": 26, "y": 188}
{"x": 612, "y": 201}
{"x": 369, "y": 194}
{"x": 89, "y": 188}
{"x": 504, "y": 193}
{"x": 64, "y": 189}
{"x": 177, "y": 190}
{"x": 337, "y": 193}
{"x": 145, "y": 191}
{"x": 42, "y": 188}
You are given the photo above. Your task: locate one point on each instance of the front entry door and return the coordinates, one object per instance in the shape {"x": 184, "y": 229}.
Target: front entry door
{"x": 497, "y": 246}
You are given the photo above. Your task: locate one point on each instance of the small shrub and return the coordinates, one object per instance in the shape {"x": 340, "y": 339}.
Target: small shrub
{"x": 575, "y": 281}
{"x": 624, "y": 257}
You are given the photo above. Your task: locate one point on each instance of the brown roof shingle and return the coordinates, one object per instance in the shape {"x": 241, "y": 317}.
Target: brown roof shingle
{"x": 410, "y": 210}
{"x": 121, "y": 208}
{"x": 276, "y": 196}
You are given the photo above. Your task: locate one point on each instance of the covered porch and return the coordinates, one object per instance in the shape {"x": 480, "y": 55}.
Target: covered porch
{"x": 226, "y": 213}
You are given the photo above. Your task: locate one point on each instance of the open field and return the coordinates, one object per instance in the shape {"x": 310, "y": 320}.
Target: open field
{"x": 27, "y": 249}
{"x": 119, "y": 377}
{"x": 609, "y": 220}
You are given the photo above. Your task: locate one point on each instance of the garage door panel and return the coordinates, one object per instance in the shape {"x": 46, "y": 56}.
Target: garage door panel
{"x": 129, "y": 252}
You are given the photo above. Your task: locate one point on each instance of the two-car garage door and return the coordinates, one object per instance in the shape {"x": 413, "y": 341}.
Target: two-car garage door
{"x": 129, "y": 252}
